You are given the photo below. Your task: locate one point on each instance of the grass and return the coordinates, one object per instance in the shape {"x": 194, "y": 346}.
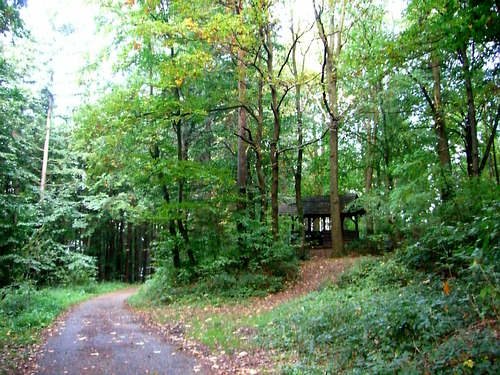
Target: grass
{"x": 380, "y": 317}
{"x": 26, "y": 310}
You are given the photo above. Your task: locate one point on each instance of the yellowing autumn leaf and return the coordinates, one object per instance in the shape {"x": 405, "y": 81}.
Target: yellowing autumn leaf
{"x": 446, "y": 287}
{"x": 190, "y": 24}
{"x": 129, "y": 2}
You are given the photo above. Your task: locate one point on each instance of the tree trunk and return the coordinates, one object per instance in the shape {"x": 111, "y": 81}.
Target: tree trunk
{"x": 336, "y": 226}
{"x": 370, "y": 145}
{"x": 300, "y": 151}
{"x": 181, "y": 152}
{"x": 139, "y": 248}
{"x": 242, "y": 124}
{"x": 148, "y": 236}
{"x": 440, "y": 128}
{"x": 494, "y": 156}
{"x": 258, "y": 151}
{"x": 335, "y": 222}
{"x": 471, "y": 127}
{"x": 128, "y": 252}
{"x": 46, "y": 145}
{"x": 120, "y": 251}
{"x": 439, "y": 122}
{"x": 332, "y": 45}
{"x": 275, "y": 136}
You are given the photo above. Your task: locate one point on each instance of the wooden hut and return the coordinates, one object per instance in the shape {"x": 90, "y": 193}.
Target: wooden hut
{"x": 317, "y": 217}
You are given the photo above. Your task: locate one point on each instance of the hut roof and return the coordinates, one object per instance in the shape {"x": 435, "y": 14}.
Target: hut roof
{"x": 319, "y": 205}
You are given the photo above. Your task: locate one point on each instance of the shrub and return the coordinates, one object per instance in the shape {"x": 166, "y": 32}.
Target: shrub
{"x": 383, "y": 318}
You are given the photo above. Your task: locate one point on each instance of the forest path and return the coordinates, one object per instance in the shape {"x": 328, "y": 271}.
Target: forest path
{"x": 103, "y": 336}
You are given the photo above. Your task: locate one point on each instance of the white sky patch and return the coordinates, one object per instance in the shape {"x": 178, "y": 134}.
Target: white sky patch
{"x": 63, "y": 54}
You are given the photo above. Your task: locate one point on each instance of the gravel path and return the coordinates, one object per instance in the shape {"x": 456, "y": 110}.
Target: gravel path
{"x": 102, "y": 336}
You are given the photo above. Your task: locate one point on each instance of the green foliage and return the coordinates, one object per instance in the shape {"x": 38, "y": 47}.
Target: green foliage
{"x": 383, "y": 318}
{"x": 256, "y": 267}
{"x": 10, "y": 20}
{"x": 458, "y": 234}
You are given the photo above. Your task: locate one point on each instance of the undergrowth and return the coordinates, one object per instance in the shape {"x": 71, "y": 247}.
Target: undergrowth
{"x": 382, "y": 317}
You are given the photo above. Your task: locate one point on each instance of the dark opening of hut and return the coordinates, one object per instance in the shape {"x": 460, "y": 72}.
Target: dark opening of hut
{"x": 317, "y": 217}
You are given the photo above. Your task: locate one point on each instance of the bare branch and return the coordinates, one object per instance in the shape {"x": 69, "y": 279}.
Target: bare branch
{"x": 297, "y": 147}
{"x": 246, "y": 140}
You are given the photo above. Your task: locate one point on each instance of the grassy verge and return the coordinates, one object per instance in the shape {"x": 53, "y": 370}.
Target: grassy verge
{"x": 26, "y": 310}
{"x": 383, "y": 318}
{"x": 379, "y": 318}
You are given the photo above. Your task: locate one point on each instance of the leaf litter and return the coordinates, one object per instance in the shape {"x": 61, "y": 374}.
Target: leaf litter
{"x": 172, "y": 322}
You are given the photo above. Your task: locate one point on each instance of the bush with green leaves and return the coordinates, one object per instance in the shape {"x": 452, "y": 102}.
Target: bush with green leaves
{"x": 51, "y": 264}
{"x": 383, "y": 318}
{"x": 251, "y": 265}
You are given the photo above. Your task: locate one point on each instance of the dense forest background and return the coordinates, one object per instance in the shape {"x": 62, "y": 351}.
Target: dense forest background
{"x": 199, "y": 118}
{"x": 218, "y": 111}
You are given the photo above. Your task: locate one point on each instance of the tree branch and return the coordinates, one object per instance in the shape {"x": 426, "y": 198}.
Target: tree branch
{"x": 246, "y": 140}
{"x": 305, "y": 144}
{"x": 490, "y": 142}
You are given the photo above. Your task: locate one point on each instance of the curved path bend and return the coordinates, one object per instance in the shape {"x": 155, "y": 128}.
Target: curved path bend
{"x": 102, "y": 336}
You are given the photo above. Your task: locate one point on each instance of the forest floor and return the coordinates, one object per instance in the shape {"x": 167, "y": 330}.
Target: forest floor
{"x": 221, "y": 336}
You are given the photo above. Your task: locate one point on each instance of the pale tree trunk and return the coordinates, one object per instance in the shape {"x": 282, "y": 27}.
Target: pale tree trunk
{"x": 332, "y": 44}
{"x": 46, "y": 145}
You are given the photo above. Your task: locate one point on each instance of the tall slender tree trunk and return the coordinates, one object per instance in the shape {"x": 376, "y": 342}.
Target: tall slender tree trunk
{"x": 258, "y": 151}
{"x": 139, "y": 249}
{"x": 471, "y": 127}
{"x": 242, "y": 167}
{"x": 332, "y": 45}
{"x": 494, "y": 156}
{"x": 181, "y": 152}
{"x": 173, "y": 232}
{"x": 242, "y": 125}
{"x": 370, "y": 145}
{"x": 120, "y": 250}
{"x": 300, "y": 151}
{"x": 275, "y": 134}
{"x": 440, "y": 128}
{"x": 335, "y": 214}
{"x": 439, "y": 121}
{"x": 46, "y": 145}
{"x": 128, "y": 252}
